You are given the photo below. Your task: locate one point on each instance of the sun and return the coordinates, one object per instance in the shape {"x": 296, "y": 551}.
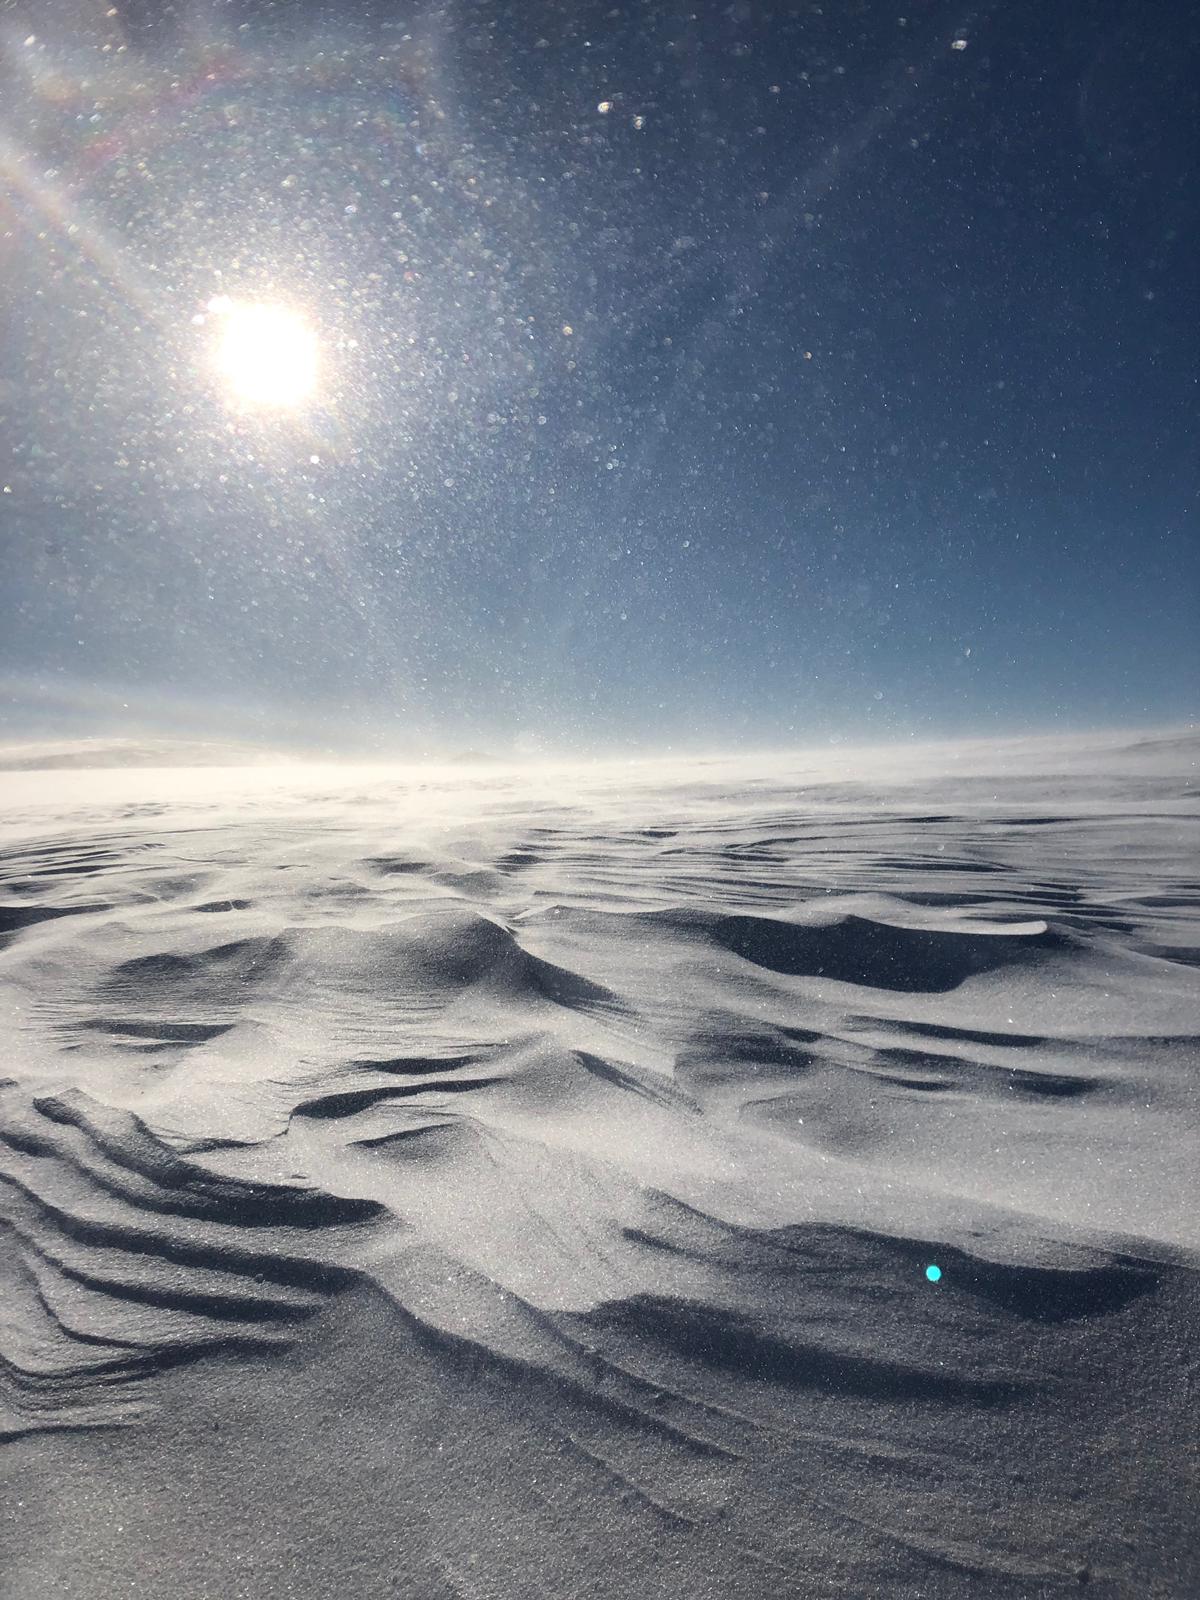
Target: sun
{"x": 266, "y": 354}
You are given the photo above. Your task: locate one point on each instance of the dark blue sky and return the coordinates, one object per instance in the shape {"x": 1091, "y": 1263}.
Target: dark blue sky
{"x": 838, "y": 378}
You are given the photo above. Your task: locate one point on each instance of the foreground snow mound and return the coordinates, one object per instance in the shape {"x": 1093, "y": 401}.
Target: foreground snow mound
{"x": 469, "y": 1174}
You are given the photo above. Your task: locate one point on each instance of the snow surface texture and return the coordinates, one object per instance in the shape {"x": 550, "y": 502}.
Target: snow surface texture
{"x": 503, "y": 1182}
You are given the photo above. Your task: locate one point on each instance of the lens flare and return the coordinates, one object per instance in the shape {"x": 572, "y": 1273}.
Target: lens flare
{"x": 266, "y": 354}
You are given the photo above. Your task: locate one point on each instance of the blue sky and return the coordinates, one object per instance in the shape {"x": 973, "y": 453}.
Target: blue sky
{"x": 696, "y": 380}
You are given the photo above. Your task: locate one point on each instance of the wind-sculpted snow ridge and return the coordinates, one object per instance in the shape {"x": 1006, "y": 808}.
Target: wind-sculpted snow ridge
{"x": 559, "y": 1156}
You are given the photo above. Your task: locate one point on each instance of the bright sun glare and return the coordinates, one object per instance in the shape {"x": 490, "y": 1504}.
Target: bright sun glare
{"x": 267, "y": 354}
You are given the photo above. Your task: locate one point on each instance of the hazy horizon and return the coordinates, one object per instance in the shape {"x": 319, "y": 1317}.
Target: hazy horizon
{"x": 854, "y": 757}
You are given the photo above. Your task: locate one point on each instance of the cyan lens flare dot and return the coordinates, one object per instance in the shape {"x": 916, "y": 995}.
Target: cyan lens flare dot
{"x": 933, "y": 1273}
